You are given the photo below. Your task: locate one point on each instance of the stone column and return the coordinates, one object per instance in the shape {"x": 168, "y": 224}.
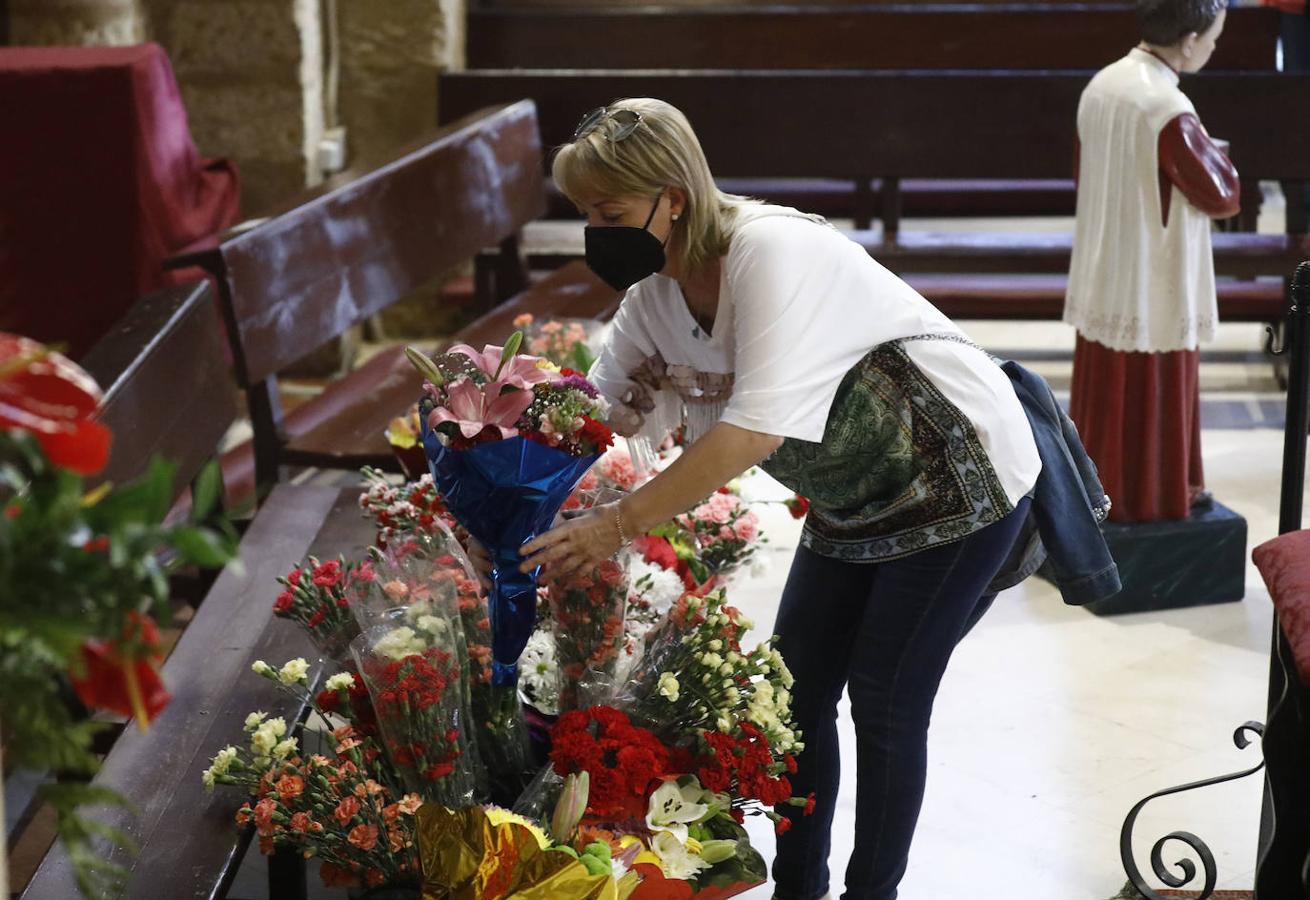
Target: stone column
{"x": 76, "y": 22}
{"x": 251, "y": 75}
{"x": 391, "y": 52}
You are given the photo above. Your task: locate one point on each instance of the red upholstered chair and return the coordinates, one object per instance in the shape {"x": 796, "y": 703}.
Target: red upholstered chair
{"x": 1284, "y": 563}
{"x": 100, "y": 183}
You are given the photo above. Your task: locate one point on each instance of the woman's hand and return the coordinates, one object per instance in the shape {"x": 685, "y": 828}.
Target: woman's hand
{"x": 481, "y": 561}
{"x": 576, "y": 544}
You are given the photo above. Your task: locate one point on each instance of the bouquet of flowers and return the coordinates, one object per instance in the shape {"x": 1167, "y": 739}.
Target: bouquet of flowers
{"x": 696, "y": 679}
{"x": 586, "y": 611}
{"x": 341, "y": 803}
{"x": 401, "y": 509}
{"x": 317, "y": 595}
{"x": 508, "y": 438}
{"x": 411, "y": 664}
{"x": 564, "y": 343}
{"x": 726, "y": 532}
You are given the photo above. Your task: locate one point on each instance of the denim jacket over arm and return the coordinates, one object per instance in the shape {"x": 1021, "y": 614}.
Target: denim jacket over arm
{"x": 1063, "y": 529}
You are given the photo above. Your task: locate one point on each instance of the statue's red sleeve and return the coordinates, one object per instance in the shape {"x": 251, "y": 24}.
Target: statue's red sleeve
{"x": 1193, "y": 163}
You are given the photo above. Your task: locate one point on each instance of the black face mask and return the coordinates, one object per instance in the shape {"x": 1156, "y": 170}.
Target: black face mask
{"x": 622, "y": 255}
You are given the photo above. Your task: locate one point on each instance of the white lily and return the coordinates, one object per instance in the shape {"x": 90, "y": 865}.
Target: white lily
{"x": 676, "y": 861}
{"x": 673, "y": 807}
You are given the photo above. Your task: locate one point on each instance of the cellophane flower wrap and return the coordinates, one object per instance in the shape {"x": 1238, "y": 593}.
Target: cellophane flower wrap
{"x": 508, "y": 437}
{"x": 318, "y": 596}
{"x": 410, "y": 660}
{"x": 587, "y": 610}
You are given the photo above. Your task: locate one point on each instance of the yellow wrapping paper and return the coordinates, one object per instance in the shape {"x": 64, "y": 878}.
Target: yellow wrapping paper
{"x": 465, "y": 857}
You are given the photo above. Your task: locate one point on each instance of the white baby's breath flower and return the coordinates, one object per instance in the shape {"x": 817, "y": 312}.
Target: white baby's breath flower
{"x": 294, "y": 671}
{"x": 342, "y": 681}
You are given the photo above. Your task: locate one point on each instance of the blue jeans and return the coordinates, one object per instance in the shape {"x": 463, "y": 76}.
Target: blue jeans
{"x": 884, "y": 631}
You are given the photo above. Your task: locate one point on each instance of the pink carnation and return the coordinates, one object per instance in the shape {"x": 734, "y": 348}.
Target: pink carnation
{"x": 747, "y": 527}
{"x": 616, "y": 466}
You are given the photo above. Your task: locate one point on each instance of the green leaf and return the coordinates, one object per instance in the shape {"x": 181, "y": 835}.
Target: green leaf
{"x": 206, "y": 492}
{"x": 699, "y": 570}
{"x": 201, "y": 546}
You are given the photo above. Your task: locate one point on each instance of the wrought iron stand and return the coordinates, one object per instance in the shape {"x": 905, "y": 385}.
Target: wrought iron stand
{"x": 1283, "y": 869}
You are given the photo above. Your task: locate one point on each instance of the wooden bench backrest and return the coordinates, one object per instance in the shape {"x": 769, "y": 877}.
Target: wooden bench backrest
{"x": 167, "y": 388}
{"x": 957, "y": 36}
{"x": 1004, "y": 125}
{"x": 342, "y": 252}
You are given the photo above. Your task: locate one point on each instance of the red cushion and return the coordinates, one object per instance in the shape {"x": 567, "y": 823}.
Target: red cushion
{"x": 1284, "y": 563}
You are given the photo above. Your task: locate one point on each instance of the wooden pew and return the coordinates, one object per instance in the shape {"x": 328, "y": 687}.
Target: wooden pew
{"x": 185, "y": 400}
{"x": 1037, "y": 36}
{"x": 763, "y": 124}
{"x": 168, "y": 392}
{"x": 340, "y": 253}
{"x": 1030, "y": 36}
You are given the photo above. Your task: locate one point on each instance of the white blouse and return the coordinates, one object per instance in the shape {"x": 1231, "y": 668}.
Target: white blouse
{"x": 799, "y": 305}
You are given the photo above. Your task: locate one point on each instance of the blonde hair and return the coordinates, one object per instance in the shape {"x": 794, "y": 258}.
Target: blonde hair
{"x": 662, "y": 151}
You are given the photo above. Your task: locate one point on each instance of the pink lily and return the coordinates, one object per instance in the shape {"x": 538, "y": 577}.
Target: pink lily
{"x": 520, "y": 371}
{"x": 475, "y": 407}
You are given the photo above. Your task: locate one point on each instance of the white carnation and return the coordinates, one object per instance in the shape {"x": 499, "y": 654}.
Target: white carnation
{"x": 342, "y": 681}
{"x": 294, "y": 671}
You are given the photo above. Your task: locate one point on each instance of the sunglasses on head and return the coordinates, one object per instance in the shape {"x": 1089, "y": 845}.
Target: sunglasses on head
{"x": 627, "y": 120}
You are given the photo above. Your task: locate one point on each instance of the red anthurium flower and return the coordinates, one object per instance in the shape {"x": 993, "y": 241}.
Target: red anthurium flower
{"x": 50, "y": 396}
{"x": 654, "y": 886}
{"x": 120, "y": 675}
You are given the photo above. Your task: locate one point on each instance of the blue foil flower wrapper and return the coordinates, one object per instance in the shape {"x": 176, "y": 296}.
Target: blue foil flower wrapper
{"x": 505, "y": 493}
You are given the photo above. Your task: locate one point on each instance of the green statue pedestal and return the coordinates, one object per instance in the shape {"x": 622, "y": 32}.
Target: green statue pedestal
{"x": 1170, "y": 565}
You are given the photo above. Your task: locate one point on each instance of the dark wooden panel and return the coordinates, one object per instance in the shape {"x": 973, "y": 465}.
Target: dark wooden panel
{"x": 1236, "y": 254}
{"x": 306, "y": 275}
{"x": 1041, "y": 297}
{"x": 190, "y": 844}
{"x": 904, "y": 36}
{"x": 168, "y": 391}
{"x": 1001, "y": 125}
{"x": 732, "y": 5}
